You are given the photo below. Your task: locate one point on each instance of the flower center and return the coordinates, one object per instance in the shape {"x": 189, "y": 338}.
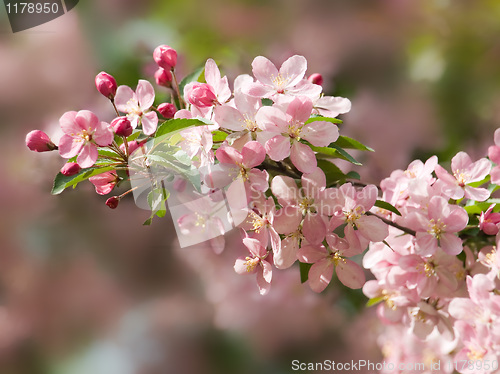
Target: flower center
{"x": 251, "y": 125}
{"x": 475, "y": 355}
{"x": 258, "y": 222}
{"x": 251, "y": 263}
{"x": 351, "y": 216}
{"x": 280, "y": 82}
{"x": 436, "y": 228}
{"x": 461, "y": 177}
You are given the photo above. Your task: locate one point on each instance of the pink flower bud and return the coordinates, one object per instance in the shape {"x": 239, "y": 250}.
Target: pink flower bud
{"x": 106, "y": 84}
{"x": 132, "y": 146}
{"x": 201, "y": 95}
{"x": 105, "y": 182}
{"x": 163, "y": 77}
{"x": 316, "y": 79}
{"x": 165, "y": 57}
{"x": 38, "y": 141}
{"x": 70, "y": 168}
{"x": 112, "y": 202}
{"x": 122, "y": 126}
{"x": 167, "y": 110}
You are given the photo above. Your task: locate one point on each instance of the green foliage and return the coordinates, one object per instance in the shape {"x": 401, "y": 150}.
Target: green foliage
{"x": 315, "y": 118}
{"x": 61, "y": 182}
{"x": 387, "y": 206}
{"x": 195, "y": 76}
{"x": 334, "y": 151}
{"x": 349, "y": 143}
{"x": 177, "y": 124}
{"x": 304, "y": 271}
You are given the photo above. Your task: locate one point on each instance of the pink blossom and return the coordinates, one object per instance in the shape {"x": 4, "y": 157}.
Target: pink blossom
{"x": 464, "y": 172}
{"x": 137, "y": 104}
{"x": 256, "y": 263}
{"x": 198, "y": 141}
{"x": 488, "y": 221}
{"x": 167, "y": 110}
{"x": 70, "y": 168}
{"x": 437, "y": 228}
{"x": 351, "y": 208}
{"x": 494, "y": 155}
{"x": 122, "y": 126}
{"x": 38, "y": 141}
{"x": 82, "y": 133}
{"x": 241, "y": 117}
{"x": 105, "y": 182}
{"x": 325, "y": 260}
{"x": 163, "y": 77}
{"x": 106, "y": 85}
{"x": 316, "y": 78}
{"x": 289, "y": 80}
{"x": 282, "y": 133}
{"x": 165, "y": 57}
{"x": 330, "y": 106}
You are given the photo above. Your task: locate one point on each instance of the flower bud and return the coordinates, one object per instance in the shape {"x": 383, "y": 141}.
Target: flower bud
{"x": 122, "y": 126}
{"x": 70, "y": 168}
{"x": 316, "y": 79}
{"x": 112, "y": 202}
{"x": 200, "y": 95}
{"x": 106, "y": 85}
{"x": 38, "y": 141}
{"x": 165, "y": 57}
{"x": 132, "y": 146}
{"x": 163, "y": 77}
{"x": 167, "y": 110}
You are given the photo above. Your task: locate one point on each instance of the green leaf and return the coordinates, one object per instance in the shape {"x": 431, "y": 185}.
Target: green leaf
{"x": 148, "y": 221}
{"x": 193, "y": 77}
{"x": 107, "y": 154}
{"x": 335, "y": 152}
{"x": 387, "y": 206}
{"x": 304, "y": 271}
{"x": 325, "y": 119}
{"x": 61, "y": 182}
{"x": 266, "y": 102}
{"x": 172, "y": 125}
{"x": 219, "y": 136}
{"x": 353, "y": 175}
{"x": 332, "y": 173}
{"x": 349, "y": 143}
{"x": 374, "y": 301}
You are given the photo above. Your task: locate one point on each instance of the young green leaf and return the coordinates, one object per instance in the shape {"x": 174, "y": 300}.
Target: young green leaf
{"x": 387, "y": 206}
{"x": 349, "y": 143}
{"x": 304, "y": 271}
{"x": 195, "y": 76}
{"x": 61, "y": 182}
{"x": 335, "y": 152}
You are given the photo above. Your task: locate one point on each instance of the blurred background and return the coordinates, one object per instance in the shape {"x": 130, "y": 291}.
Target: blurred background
{"x": 84, "y": 289}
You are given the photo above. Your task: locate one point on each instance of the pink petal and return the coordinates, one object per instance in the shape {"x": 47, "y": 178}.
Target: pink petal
{"x": 87, "y": 120}
{"x": 68, "y": 124}
{"x": 461, "y": 161}
{"x": 286, "y": 190}
{"x": 218, "y": 244}
{"x": 229, "y": 155}
{"x": 320, "y": 275}
{"x": 287, "y": 255}
{"x": 253, "y": 154}
{"x": 103, "y": 134}
{"x": 495, "y": 175}
{"x": 149, "y": 122}
{"x": 313, "y": 182}
{"x": 145, "y": 95}
{"x": 255, "y": 247}
{"x": 264, "y": 276}
{"x": 320, "y": 133}
{"x": 264, "y": 70}
{"x": 240, "y": 266}
{"x": 333, "y": 106}
{"x": 257, "y": 90}
{"x": 124, "y": 94}
{"x": 456, "y": 220}
{"x": 69, "y": 146}
{"x": 287, "y": 219}
{"x": 411, "y": 262}
{"x": 497, "y": 137}
{"x": 278, "y": 147}
{"x": 271, "y": 119}
{"x": 314, "y": 228}
{"x": 212, "y": 73}
{"x": 494, "y": 153}
{"x": 229, "y": 118}
{"x": 477, "y": 194}
{"x": 259, "y": 179}
{"x": 303, "y": 157}
{"x": 88, "y": 156}
{"x": 479, "y": 170}
{"x": 312, "y": 253}
{"x": 451, "y": 244}
{"x": 372, "y": 228}
{"x": 463, "y": 309}
{"x": 366, "y": 197}
{"x": 427, "y": 244}
{"x": 350, "y": 273}
{"x": 293, "y": 69}
{"x": 300, "y": 109}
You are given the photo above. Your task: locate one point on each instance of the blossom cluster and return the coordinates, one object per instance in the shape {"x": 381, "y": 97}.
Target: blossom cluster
{"x": 258, "y": 155}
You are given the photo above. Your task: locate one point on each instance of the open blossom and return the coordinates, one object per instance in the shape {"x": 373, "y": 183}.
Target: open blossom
{"x": 289, "y": 80}
{"x": 464, "y": 172}
{"x": 488, "y": 221}
{"x": 351, "y": 208}
{"x": 105, "y": 182}
{"x": 137, "y": 104}
{"x": 437, "y": 228}
{"x": 256, "y": 263}
{"x": 282, "y": 132}
{"x": 83, "y": 132}
{"x": 325, "y": 260}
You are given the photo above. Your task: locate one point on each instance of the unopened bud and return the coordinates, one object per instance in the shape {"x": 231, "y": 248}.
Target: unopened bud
{"x": 163, "y": 77}
{"x": 122, "y": 126}
{"x": 112, "y": 202}
{"x": 165, "y": 57}
{"x": 167, "y": 110}
{"x": 70, "y": 168}
{"x": 316, "y": 79}
{"x": 106, "y": 85}
{"x": 200, "y": 95}
{"x": 38, "y": 141}
{"x": 132, "y": 146}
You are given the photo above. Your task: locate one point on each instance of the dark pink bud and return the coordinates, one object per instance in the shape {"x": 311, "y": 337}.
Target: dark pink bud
{"x": 132, "y": 146}
{"x": 316, "y": 79}
{"x": 165, "y": 57}
{"x": 38, "y": 141}
{"x": 122, "y": 126}
{"x": 70, "y": 168}
{"x": 112, "y": 202}
{"x": 106, "y": 84}
{"x": 163, "y": 77}
{"x": 201, "y": 95}
{"x": 167, "y": 110}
